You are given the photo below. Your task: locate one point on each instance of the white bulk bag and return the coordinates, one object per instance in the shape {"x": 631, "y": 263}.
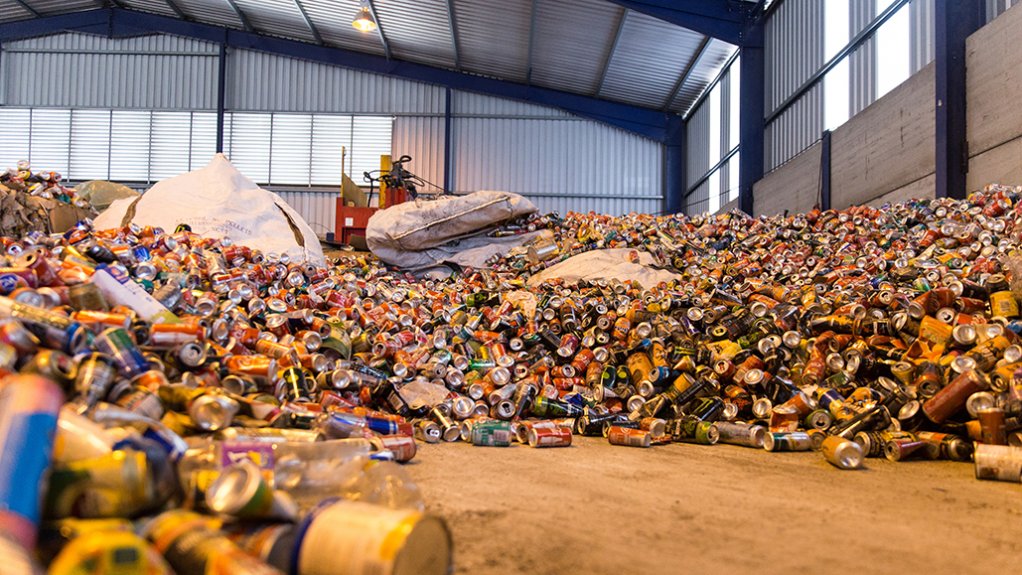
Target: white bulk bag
{"x": 218, "y": 201}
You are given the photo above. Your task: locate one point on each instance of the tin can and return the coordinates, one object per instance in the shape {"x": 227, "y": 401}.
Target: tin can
{"x": 952, "y": 397}
{"x": 118, "y": 345}
{"x": 192, "y": 543}
{"x": 371, "y": 539}
{"x": 745, "y": 434}
{"x": 110, "y": 552}
{"x": 492, "y": 434}
{"x": 241, "y": 491}
{"x": 272, "y": 543}
{"x": 86, "y": 296}
{"x": 29, "y": 406}
{"x": 841, "y": 453}
{"x": 403, "y": 447}
{"x": 787, "y": 441}
{"x": 628, "y": 436}
{"x": 1004, "y": 304}
{"x": 549, "y": 437}
{"x": 998, "y": 462}
{"x": 992, "y": 426}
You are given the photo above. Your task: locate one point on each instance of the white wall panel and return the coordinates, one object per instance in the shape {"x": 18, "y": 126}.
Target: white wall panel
{"x": 422, "y": 138}
{"x": 317, "y": 208}
{"x": 595, "y": 167}
{"x": 84, "y": 71}
{"x": 265, "y": 82}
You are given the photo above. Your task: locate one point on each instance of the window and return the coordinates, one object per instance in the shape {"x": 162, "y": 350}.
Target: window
{"x": 893, "y": 62}
{"x": 142, "y": 146}
{"x": 836, "y": 84}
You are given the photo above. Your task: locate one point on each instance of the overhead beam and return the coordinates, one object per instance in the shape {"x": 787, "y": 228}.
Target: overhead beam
{"x": 452, "y": 25}
{"x": 687, "y": 72}
{"x": 308, "y": 22}
{"x": 30, "y": 9}
{"x": 379, "y": 29}
{"x": 613, "y": 48}
{"x": 532, "y": 41}
{"x": 241, "y": 16}
{"x": 177, "y": 9}
{"x": 127, "y": 23}
{"x": 721, "y": 19}
{"x": 954, "y": 22}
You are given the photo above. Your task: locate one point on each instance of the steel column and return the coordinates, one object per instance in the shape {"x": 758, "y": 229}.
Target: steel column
{"x": 221, "y": 97}
{"x": 674, "y": 166}
{"x": 825, "y": 170}
{"x": 955, "y": 21}
{"x": 751, "y": 125}
{"x": 448, "y": 157}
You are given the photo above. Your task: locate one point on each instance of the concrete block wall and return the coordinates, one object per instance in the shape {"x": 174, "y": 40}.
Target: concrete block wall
{"x": 795, "y": 186}
{"x": 993, "y": 85}
{"x": 886, "y": 152}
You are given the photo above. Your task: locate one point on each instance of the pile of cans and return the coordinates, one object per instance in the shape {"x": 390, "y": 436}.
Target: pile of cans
{"x": 201, "y": 404}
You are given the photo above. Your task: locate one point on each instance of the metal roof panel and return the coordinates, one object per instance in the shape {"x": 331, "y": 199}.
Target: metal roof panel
{"x": 494, "y": 36}
{"x": 417, "y": 31}
{"x": 570, "y": 57}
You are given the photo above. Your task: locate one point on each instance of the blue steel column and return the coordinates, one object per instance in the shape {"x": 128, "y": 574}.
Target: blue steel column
{"x": 752, "y": 110}
{"x": 954, "y": 22}
{"x": 448, "y": 159}
{"x": 221, "y": 96}
{"x": 674, "y": 165}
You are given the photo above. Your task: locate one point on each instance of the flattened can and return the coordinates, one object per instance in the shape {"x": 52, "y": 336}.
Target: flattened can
{"x": 556, "y": 436}
{"x": 29, "y": 406}
{"x": 492, "y": 434}
{"x": 354, "y": 538}
{"x": 109, "y": 552}
{"x": 998, "y": 462}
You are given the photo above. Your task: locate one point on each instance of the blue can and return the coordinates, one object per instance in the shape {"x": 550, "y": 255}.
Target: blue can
{"x": 141, "y": 254}
{"x": 116, "y": 343}
{"x": 29, "y": 406}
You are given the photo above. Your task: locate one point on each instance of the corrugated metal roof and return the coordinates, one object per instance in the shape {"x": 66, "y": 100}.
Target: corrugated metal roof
{"x": 650, "y": 57}
{"x": 574, "y": 54}
{"x": 572, "y": 46}
{"x": 494, "y": 36}
{"x": 417, "y": 31}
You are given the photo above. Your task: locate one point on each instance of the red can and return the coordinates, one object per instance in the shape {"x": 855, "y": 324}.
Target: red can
{"x": 403, "y": 447}
{"x": 549, "y": 437}
{"x": 628, "y": 436}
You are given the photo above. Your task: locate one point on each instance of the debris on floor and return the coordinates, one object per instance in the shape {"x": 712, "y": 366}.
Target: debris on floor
{"x": 206, "y": 404}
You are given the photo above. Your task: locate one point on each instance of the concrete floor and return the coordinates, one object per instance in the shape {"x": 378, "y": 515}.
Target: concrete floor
{"x": 595, "y": 508}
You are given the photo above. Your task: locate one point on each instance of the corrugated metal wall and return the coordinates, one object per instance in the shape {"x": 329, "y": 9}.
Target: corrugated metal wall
{"x": 795, "y": 51}
{"x": 80, "y": 71}
{"x": 562, "y": 161}
{"x": 995, "y": 8}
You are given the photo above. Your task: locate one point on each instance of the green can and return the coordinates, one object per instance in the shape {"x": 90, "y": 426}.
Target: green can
{"x": 492, "y": 434}
{"x": 689, "y": 429}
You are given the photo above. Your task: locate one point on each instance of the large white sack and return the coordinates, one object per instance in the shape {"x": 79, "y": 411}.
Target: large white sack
{"x": 606, "y": 264}
{"x": 218, "y": 201}
{"x": 426, "y": 233}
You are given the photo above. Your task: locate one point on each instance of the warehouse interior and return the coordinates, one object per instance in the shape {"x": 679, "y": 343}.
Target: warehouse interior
{"x": 691, "y": 128}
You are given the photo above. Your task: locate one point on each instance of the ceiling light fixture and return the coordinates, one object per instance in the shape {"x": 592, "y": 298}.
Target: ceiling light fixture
{"x": 364, "y": 21}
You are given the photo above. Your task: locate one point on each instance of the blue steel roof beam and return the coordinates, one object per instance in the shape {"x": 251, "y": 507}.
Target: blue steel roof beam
{"x": 177, "y": 10}
{"x": 241, "y": 16}
{"x": 452, "y": 23}
{"x": 379, "y": 29}
{"x": 683, "y": 79}
{"x": 308, "y": 22}
{"x": 721, "y": 19}
{"x": 646, "y": 122}
{"x": 532, "y": 41}
{"x": 30, "y": 9}
{"x": 613, "y": 48}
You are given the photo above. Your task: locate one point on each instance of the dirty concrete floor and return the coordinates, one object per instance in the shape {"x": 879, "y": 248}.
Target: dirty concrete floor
{"x": 595, "y": 508}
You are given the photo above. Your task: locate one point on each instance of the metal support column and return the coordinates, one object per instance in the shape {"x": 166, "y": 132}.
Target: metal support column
{"x": 825, "y": 171}
{"x": 954, "y": 22}
{"x": 674, "y": 166}
{"x": 221, "y": 97}
{"x": 752, "y": 111}
{"x": 448, "y": 159}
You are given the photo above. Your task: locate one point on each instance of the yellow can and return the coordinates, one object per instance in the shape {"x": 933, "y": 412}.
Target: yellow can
{"x": 1004, "y": 304}
{"x": 110, "y": 553}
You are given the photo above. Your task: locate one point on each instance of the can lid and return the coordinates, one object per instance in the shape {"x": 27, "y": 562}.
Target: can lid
{"x": 236, "y": 486}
